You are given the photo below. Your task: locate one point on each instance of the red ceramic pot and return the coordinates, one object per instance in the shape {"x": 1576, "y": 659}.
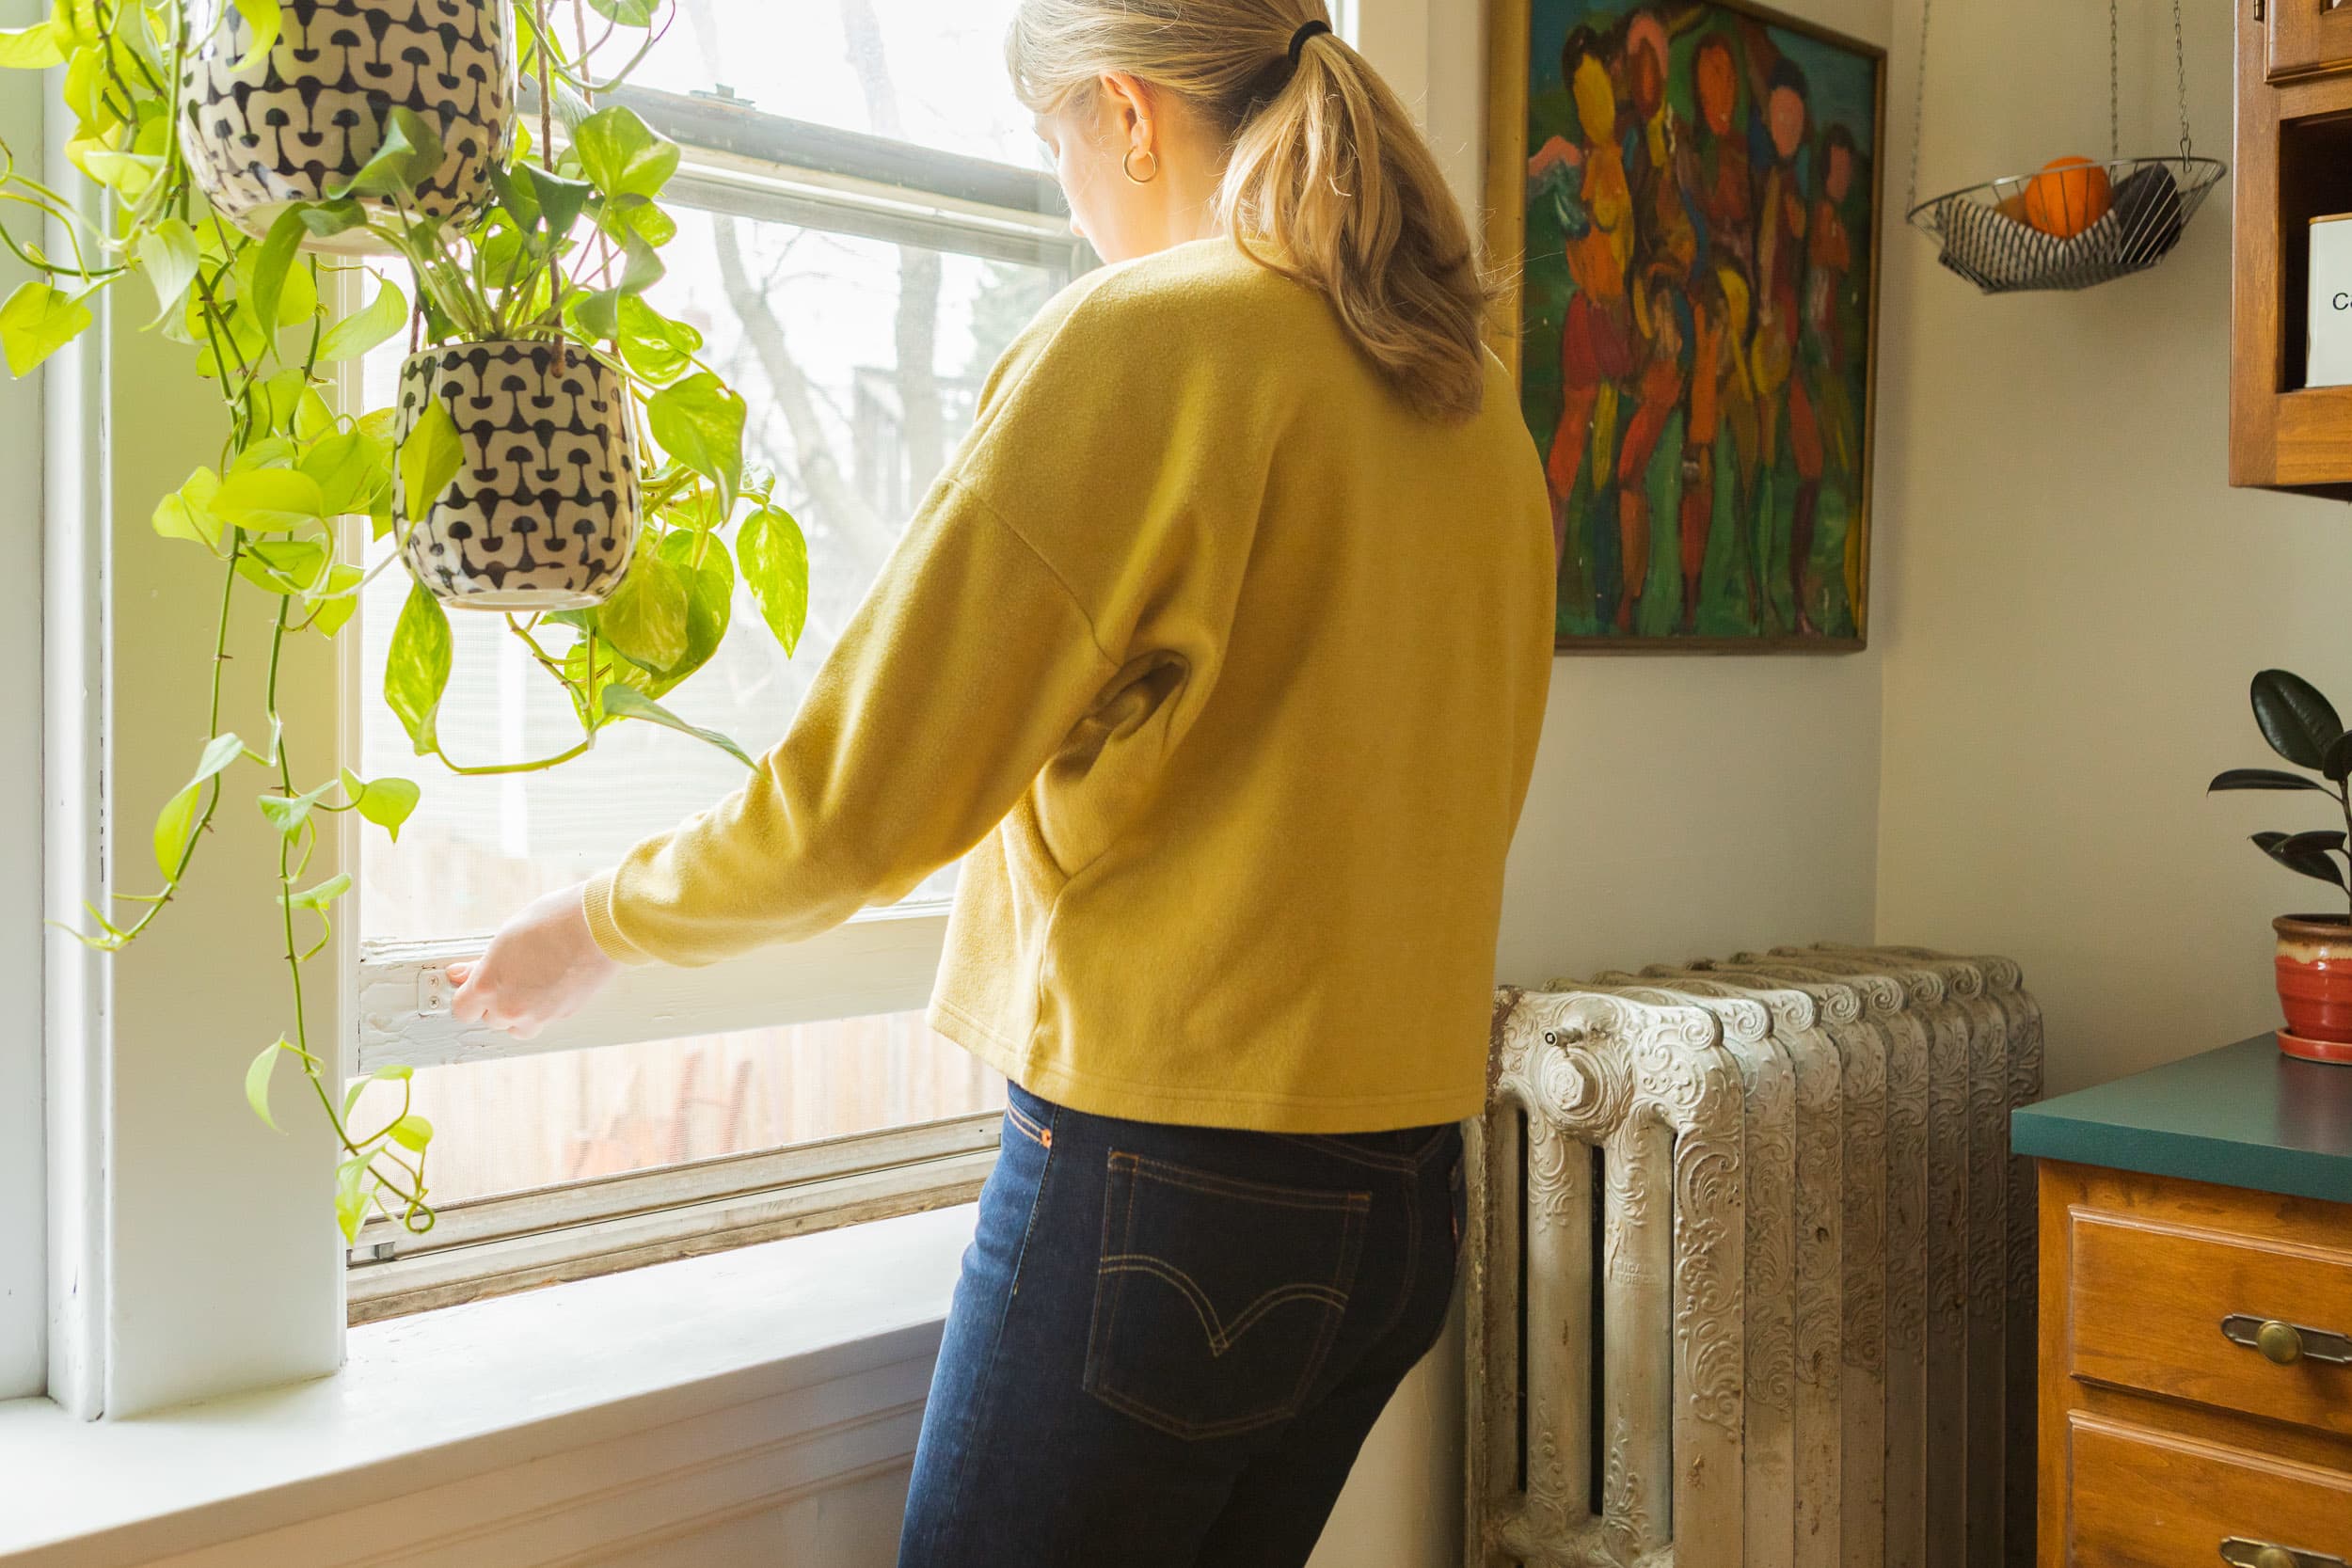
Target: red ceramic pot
{"x": 2316, "y": 986}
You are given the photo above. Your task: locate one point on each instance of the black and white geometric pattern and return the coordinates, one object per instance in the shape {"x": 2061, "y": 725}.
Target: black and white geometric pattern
{"x": 543, "y": 512}
{"x": 313, "y": 111}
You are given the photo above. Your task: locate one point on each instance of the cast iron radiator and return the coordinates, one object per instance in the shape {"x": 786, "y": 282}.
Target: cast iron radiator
{"x": 1750, "y": 1270}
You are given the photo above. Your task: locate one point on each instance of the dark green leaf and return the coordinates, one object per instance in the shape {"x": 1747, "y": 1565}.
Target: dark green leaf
{"x": 2311, "y": 860}
{"x": 699, "y": 423}
{"x": 2300, "y": 723}
{"x": 774, "y": 558}
{"x": 326, "y": 218}
{"x": 2336, "y": 760}
{"x": 620, "y": 702}
{"x": 2262, "y": 777}
{"x": 416, "y": 668}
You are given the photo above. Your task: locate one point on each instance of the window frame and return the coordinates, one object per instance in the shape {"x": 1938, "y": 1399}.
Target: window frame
{"x": 740, "y": 163}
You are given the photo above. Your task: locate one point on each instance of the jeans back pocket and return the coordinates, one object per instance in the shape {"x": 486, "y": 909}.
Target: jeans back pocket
{"x": 1215, "y": 1299}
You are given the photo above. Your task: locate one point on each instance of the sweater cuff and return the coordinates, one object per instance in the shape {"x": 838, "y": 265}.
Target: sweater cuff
{"x": 595, "y": 899}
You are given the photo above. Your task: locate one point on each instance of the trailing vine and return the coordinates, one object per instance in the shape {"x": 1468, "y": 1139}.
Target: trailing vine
{"x": 564, "y": 251}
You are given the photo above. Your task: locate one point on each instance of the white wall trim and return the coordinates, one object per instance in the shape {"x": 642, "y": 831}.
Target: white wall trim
{"x": 506, "y": 1434}
{"x": 76, "y": 1001}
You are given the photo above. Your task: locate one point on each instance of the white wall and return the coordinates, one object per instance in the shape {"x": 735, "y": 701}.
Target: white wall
{"x": 2076, "y": 600}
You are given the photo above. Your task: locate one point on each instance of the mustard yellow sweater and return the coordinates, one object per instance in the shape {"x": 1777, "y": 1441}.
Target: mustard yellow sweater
{"x": 1223, "y": 670}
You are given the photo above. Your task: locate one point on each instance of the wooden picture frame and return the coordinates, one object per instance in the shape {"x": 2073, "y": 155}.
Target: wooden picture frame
{"x": 1768, "y": 516}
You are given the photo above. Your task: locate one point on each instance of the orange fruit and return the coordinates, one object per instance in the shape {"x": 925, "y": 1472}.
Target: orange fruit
{"x": 2068, "y": 196}
{"x": 2012, "y": 207}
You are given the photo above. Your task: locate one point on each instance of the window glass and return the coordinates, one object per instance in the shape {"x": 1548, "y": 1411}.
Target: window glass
{"x": 526, "y": 1122}
{"x": 861, "y": 361}
{"x": 929, "y": 71}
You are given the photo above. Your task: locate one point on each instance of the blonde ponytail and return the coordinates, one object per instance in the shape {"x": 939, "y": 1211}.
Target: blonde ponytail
{"x": 1327, "y": 180}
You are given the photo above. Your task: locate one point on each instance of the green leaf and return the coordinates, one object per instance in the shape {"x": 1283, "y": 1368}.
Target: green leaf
{"x": 540, "y": 198}
{"x": 710, "y": 601}
{"x": 321, "y": 895}
{"x": 167, "y": 254}
{"x": 2262, "y": 777}
{"x": 334, "y": 601}
{"x": 349, "y": 469}
{"x": 262, "y": 17}
{"x": 408, "y": 155}
{"x": 620, "y": 702}
{"x": 284, "y": 565}
{"x": 653, "y": 346}
{"x": 397, "y": 1073}
{"x": 187, "y": 511}
{"x": 291, "y": 814}
{"x": 271, "y": 263}
{"x": 774, "y": 558}
{"x": 644, "y": 619}
{"x": 269, "y": 499}
{"x": 428, "y": 460}
{"x": 416, "y": 668}
{"x": 629, "y": 13}
{"x": 700, "y": 423}
{"x": 622, "y": 155}
{"x": 34, "y": 48}
{"x": 327, "y": 218}
{"x": 176, "y": 823}
{"x": 387, "y": 803}
{"x": 36, "y": 322}
{"x": 256, "y": 1080}
{"x": 351, "y": 1195}
{"x": 411, "y": 1133}
{"x": 384, "y": 314}
{"x": 2298, "y": 722}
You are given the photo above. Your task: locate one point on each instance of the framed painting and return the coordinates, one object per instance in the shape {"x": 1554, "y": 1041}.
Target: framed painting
{"x": 1690, "y": 190}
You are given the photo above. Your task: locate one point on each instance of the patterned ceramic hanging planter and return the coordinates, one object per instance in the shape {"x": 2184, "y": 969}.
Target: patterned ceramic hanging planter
{"x": 542, "y": 514}
{"x": 312, "y": 111}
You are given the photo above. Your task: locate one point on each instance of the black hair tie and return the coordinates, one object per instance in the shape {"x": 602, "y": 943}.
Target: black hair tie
{"x": 1298, "y": 39}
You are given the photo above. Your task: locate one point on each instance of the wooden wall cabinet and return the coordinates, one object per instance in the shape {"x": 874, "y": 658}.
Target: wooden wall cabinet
{"x": 2293, "y": 162}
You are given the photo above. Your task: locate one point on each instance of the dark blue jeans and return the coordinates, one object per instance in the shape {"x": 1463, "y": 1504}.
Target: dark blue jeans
{"x": 1168, "y": 1342}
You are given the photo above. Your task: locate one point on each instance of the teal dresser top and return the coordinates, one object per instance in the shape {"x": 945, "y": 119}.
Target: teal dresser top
{"x": 2240, "y": 1117}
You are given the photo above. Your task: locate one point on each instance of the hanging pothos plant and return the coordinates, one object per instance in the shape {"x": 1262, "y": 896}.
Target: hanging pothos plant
{"x": 588, "y": 484}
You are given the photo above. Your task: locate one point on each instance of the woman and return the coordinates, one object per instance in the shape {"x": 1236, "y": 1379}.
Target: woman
{"x": 1218, "y": 653}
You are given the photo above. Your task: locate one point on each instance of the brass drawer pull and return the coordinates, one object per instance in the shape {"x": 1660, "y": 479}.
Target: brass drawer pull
{"x": 2287, "y": 1343}
{"x": 2242, "y": 1553}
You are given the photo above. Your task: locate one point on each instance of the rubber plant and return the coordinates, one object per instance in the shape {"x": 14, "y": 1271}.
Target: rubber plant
{"x": 306, "y": 503}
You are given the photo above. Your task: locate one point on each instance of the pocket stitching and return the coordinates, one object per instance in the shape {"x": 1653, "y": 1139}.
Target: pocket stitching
{"x": 1037, "y": 1131}
{"x": 1353, "y": 1208}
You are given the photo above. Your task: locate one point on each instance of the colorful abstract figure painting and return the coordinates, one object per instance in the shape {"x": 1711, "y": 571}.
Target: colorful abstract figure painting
{"x": 1699, "y": 188}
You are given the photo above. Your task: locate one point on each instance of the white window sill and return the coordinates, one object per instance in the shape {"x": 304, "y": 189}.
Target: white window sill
{"x": 826, "y": 1333}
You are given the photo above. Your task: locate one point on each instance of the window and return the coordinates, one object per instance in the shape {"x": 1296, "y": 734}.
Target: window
{"x": 858, "y": 242}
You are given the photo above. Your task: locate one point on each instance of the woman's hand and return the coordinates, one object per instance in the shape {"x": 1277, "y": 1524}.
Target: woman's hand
{"x": 542, "y": 966}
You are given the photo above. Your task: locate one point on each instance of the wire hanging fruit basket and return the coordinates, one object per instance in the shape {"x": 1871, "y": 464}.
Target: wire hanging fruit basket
{"x": 2074, "y": 223}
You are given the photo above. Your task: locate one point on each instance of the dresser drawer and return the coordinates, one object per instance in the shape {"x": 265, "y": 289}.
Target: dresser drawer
{"x": 2148, "y": 1300}
{"x": 2145, "y": 1499}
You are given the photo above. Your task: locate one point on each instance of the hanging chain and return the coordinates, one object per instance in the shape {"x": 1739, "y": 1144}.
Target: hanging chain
{"x": 2180, "y": 74}
{"x": 1919, "y": 104}
{"x": 2114, "y": 93}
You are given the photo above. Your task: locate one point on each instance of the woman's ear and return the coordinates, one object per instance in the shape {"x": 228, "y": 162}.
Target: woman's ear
{"x": 1126, "y": 109}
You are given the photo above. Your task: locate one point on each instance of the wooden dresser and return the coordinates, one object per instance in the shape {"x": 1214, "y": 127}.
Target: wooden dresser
{"x": 2196, "y": 1356}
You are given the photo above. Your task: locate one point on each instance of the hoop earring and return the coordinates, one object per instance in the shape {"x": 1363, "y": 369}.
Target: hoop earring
{"x": 1127, "y": 166}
